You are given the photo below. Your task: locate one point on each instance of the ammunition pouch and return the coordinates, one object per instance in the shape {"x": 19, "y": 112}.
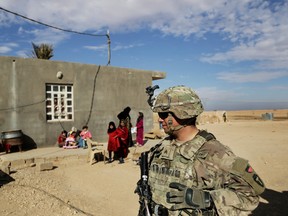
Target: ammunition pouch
{"x": 159, "y": 210}
{"x": 199, "y": 212}
{"x": 204, "y": 213}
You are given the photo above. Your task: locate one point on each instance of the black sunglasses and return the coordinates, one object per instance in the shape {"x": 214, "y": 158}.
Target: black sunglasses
{"x": 163, "y": 115}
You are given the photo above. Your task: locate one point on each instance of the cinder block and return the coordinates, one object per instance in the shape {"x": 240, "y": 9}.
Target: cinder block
{"x": 39, "y": 160}
{"x": 45, "y": 166}
{"x": 18, "y": 163}
{"x": 29, "y": 161}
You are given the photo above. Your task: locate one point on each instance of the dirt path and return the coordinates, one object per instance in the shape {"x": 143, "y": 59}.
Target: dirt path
{"x": 76, "y": 188}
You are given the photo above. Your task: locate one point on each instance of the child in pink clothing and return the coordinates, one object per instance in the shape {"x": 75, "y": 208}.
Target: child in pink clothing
{"x": 85, "y": 133}
{"x": 70, "y": 141}
{"x": 140, "y": 129}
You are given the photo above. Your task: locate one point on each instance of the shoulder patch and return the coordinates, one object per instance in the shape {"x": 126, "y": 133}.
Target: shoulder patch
{"x": 242, "y": 168}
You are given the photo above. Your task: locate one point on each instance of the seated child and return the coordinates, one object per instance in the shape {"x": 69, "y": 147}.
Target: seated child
{"x": 85, "y": 133}
{"x": 70, "y": 141}
{"x": 62, "y": 138}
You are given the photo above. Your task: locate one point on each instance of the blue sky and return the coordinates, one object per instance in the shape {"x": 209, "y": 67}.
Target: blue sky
{"x": 234, "y": 54}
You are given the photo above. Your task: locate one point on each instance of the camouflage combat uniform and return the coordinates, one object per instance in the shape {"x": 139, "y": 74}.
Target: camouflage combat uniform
{"x": 227, "y": 184}
{"x": 208, "y": 165}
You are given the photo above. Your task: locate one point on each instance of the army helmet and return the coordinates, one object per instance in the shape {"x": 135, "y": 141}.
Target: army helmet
{"x": 180, "y": 100}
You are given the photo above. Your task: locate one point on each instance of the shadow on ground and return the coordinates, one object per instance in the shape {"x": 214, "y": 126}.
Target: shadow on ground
{"x": 5, "y": 178}
{"x": 277, "y": 204}
{"x": 28, "y": 143}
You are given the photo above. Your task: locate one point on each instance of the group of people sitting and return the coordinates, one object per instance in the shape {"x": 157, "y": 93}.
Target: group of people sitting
{"x": 119, "y": 138}
{"x": 74, "y": 138}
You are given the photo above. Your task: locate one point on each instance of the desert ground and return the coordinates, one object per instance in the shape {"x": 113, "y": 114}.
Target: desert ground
{"x": 76, "y": 188}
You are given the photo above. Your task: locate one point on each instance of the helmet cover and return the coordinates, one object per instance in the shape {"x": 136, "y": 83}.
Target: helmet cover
{"x": 180, "y": 100}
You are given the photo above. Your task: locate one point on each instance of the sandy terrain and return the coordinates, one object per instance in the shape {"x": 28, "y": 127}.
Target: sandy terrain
{"x": 76, "y": 188}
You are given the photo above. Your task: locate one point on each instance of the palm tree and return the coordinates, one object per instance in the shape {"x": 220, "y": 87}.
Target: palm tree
{"x": 42, "y": 51}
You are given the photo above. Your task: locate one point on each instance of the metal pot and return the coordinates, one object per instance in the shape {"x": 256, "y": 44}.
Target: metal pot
{"x": 12, "y": 138}
{"x": 11, "y": 134}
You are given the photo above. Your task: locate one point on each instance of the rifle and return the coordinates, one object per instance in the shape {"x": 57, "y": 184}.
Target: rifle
{"x": 142, "y": 188}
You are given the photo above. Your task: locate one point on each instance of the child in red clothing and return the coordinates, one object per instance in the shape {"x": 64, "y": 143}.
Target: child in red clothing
{"x": 61, "y": 138}
{"x": 113, "y": 143}
{"x": 122, "y": 138}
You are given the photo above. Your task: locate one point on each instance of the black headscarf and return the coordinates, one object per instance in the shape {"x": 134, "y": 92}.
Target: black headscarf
{"x": 109, "y": 130}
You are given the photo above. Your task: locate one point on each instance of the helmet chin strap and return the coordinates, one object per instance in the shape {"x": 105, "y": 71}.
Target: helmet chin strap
{"x": 170, "y": 126}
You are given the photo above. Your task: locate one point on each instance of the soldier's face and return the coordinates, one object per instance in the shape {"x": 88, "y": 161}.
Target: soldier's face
{"x": 167, "y": 120}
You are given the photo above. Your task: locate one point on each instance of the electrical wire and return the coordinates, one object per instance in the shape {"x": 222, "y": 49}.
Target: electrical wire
{"x": 70, "y": 31}
{"x": 50, "y": 26}
{"x": 22, "y": 106}
{"x": 66, "y": 30}
{"x": 109, "y": 47}
{"x": 93, "y": 94}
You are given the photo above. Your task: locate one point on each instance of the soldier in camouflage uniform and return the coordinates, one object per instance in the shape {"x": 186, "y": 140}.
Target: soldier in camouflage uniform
{"x": 190, "y": 171}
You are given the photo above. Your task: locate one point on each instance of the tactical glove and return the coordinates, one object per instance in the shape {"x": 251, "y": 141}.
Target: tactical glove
{"x": 185, "y": 197}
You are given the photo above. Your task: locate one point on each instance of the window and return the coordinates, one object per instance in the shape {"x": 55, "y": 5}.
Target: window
{"x": 59, "y": 102}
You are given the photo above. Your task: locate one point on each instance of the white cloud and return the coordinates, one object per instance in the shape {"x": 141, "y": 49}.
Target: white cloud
{"x": 183, "y": 17}
{"x": 122, "y": 47}
{"x": 237, "y": 20}
{"x": 5, "y": 48}
{"x": 24, "y": 53}
{"x": 115, "y": 48}
{"x": 49, "y": 36}
{"x": 96, "y": 48}
{"x": 259, "y": 35}
{"x": 272, "y": 48}
{"x": 12, "y": 44}
{"x": 257, "y": 29}
{"x": 237, "y": 77}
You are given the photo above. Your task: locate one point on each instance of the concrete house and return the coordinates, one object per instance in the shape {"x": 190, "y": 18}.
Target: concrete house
{"x": 43, "y": 97}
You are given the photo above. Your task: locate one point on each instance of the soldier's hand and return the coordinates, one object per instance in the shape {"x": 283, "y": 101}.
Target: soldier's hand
{"x": 185, "y": 197}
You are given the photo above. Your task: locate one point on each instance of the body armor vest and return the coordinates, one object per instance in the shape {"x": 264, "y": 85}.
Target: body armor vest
{"x": 172, "y": 162}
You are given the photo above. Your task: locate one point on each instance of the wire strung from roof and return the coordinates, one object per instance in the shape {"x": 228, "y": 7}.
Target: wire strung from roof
{"x": 66, "y": 30}
{"x": 22, "y": 106}
{"x": 50, "y": 26}
{"x": 76, "y": 32}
